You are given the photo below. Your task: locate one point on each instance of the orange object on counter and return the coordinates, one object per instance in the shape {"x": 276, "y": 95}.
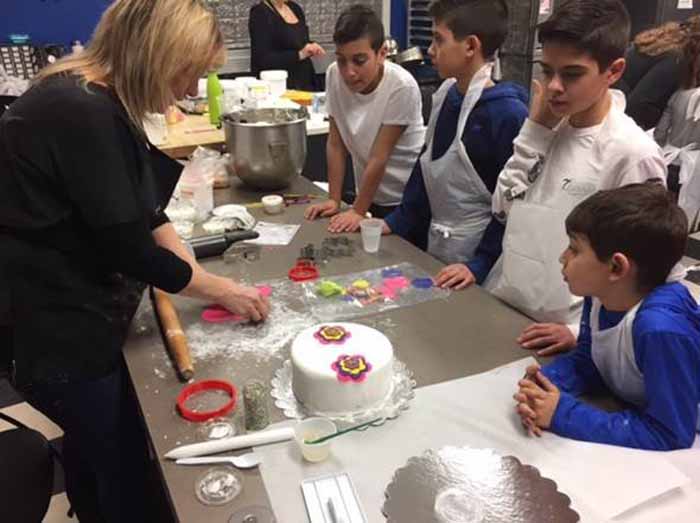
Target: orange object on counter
{"x": 300, "y": 97}
{"x": 173, "y": 115}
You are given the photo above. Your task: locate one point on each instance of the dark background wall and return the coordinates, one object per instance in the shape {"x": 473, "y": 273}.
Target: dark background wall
{"x": 62, "y": 21}
{"x": 516, "y": 53}
{"x": 51, "y": 21}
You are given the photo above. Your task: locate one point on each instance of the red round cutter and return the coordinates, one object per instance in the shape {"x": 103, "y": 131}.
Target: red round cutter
{"x": 201, "y": 386}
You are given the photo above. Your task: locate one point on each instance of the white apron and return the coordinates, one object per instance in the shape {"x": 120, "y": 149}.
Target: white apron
{"x": 689, "y": 196}
{"x": 460, "y": 203}
{"x": 528, "y": 275}
{"x": 613, "y": 354}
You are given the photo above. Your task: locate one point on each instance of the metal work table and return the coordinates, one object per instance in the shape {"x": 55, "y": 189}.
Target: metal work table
{"x": 439, "y": 340}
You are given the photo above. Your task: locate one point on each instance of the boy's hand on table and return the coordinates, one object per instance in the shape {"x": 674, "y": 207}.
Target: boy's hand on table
{"x": 527, "y": 415}
{"x": 537, "y": 399}
{"x": 547, "y": 338}
{"x": 321, "y": 210}
{"x": 540, "y": 111}
{"x": 348, "y": 221}
{"x": 456, "y": 276}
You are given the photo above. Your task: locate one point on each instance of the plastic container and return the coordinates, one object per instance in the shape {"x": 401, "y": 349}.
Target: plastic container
{"x": 277, "y": 80}
{"x": 197, "y": 187}
{"x": 371, "y": 234}
{"x": 310, "y": 429}
{"x": 273, "y": 203}
{"x": 259, "y": 89}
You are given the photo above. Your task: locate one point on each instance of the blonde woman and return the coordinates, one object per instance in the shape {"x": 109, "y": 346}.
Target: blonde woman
{"x": 82, "y": 230}
{"x": 655, "y": 65}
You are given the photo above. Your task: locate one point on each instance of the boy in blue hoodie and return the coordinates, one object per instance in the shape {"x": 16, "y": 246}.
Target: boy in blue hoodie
{"x": 446, "y": 203}
{"x": 640, "y": 330}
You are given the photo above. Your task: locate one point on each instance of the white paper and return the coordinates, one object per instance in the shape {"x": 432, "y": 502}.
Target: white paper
{"x": 603, "y": 481}
{"x": 274, "y": 233}
{"x": 685, "y": 4}
{"x": 545, "y": 6}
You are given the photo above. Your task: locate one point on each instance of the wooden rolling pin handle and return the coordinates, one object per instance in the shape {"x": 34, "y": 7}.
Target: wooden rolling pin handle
{"x": 175, "y": 338}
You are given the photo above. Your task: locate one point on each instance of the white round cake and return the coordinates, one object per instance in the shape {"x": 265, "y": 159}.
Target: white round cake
{"x": 341, "y": 367}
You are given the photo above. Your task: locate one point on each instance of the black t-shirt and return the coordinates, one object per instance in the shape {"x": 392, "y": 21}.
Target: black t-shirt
{"x": 275, "y": 44}
{"x": 648, "y": 83}
{"x": 80, "y": 193}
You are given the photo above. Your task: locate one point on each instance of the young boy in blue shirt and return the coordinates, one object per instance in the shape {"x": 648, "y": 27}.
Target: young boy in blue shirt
{"x": 640, "y": 329}
{"x": 446, "y": 205}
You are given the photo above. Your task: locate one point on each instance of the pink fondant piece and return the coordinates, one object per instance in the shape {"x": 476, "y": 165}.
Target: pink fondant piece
{"x": 265, "y": 290}
{"x": 397, "y": 283}
{"x": 219, "y": 314}
{"x": 388, "y": 292}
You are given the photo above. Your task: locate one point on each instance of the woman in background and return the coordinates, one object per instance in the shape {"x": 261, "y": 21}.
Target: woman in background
{"x": 279, "y": 39}
{"x": 654, "y": 69}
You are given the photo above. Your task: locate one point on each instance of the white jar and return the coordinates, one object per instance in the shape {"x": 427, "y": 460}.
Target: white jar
{"x": 277, "y": 78}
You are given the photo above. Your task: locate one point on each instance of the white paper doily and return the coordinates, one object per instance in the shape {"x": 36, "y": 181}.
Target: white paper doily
{"x": 396, "y": 401}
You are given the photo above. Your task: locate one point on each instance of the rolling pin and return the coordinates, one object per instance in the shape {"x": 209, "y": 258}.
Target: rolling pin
{"x": 175, "y": 339}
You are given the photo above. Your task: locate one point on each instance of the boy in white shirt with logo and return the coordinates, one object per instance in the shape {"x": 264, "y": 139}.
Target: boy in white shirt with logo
{"x": 374, "y": 107}
{"x": 577, "y": 141}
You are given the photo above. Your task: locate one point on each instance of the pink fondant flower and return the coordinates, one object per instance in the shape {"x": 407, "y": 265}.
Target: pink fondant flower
{"x": 351, "y": 368}
{"x": 332, "y": 334}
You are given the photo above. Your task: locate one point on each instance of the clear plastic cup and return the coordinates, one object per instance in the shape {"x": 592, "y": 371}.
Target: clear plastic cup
{"x": 371, "y": 230}
{"x": 311, "y": 429}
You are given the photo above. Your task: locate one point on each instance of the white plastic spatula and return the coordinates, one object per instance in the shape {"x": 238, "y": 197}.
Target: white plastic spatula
{"x": 245, "y": 461}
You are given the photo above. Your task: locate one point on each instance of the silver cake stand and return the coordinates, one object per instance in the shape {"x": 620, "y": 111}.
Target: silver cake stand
{"x": 465, "y": 485}
{"x": 398, "y": 399}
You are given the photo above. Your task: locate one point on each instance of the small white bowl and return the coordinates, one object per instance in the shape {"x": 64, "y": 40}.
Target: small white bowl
{"x": 311, "y": 429}
{"x": 273, "y": 203}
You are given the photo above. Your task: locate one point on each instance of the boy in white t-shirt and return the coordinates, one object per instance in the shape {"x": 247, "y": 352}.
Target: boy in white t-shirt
{"x": 374, "y": 108}
{"x": 577, "y": 141}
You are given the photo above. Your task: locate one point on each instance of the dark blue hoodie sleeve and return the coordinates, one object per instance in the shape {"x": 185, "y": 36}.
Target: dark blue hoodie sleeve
{"x": 411, "y": 219}
{"x": 670, "y": 363}
{"x": 507, "y": 118}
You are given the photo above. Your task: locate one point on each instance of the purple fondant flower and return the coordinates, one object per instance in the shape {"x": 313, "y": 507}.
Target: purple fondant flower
{"x": 351, "y": 368}
{"x": 332, "y": 334}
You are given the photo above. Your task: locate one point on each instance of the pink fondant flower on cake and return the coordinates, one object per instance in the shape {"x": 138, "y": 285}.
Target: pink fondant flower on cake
{"x": 332, "y": 334}
{"x": 351, "y": 368}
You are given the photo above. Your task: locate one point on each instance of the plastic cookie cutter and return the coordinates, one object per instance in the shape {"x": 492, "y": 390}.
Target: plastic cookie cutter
{"x": 201, "y": 387}
{"x": 304, "y": 270}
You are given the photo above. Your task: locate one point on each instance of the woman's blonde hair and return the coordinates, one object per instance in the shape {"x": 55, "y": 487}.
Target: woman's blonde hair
{"x": 671, "y": 36}
{"x": 140, "y": 48}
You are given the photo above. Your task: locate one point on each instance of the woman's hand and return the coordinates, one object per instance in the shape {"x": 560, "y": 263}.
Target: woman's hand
{"x": 246, "y": 301}
{"x": 311, "y": 49}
